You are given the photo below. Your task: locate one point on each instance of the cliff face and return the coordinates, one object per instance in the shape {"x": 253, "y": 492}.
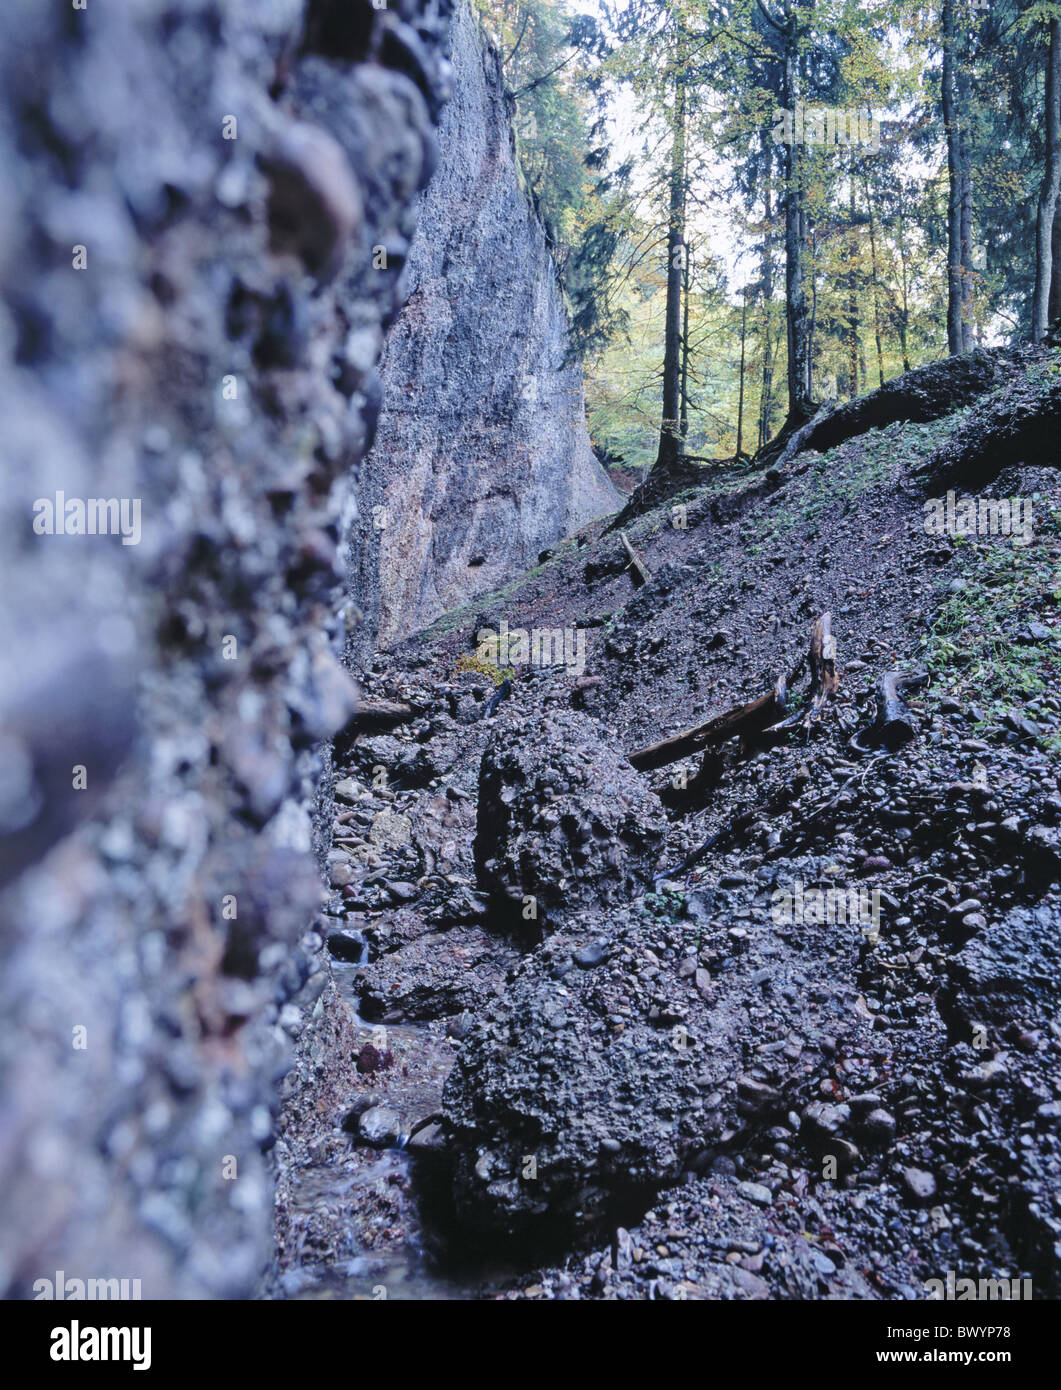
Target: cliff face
{"x": 189, "y": 326}
{"x": 481, "y": 458}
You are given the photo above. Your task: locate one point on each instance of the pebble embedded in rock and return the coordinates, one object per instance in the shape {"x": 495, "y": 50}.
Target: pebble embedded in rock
{"x": 755, "y": 1097}
{"x": 347, "y": 946}
{"x": 402, "y": 891}
{"x": 430, "y": 1139}
{"x": 875, "y": 863}
{"x": 589, "y": 956}
{"x": 879, "y": 1125}
{"x": 987, "y": 1074}
{"x": 372, "y": 1059}
{"x": 380, "y": 1127}
{"x": 700, "y": 904}
{"x": 391, "y": 829}
{"x": 755, "y": 1192}
{"x": 919, "y": 1184}
{"x": 458, "y": 1026}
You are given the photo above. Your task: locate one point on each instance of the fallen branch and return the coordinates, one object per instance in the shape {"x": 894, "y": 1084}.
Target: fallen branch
{"x": 379, "y": 714}
{"x": 757, "y": 717}
{"x": 641, "y": 573}
{"x": 742, "y": 719}
{"x": 738, "y": 823}
{"x": 893, "y": 725}
{"x": 503, "y": 691}
{"x": 709, "y": 773}
{"x": 824, "y": 680}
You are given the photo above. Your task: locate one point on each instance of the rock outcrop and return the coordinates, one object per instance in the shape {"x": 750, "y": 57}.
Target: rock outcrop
{"x": 563, "y": 820}
{"x": 481, "y": 459}
{"x": 620, "y": 1056}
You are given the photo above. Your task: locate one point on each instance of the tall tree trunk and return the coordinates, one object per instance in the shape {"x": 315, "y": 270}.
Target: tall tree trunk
{"x": 740, "y": 397}
{"x": 852, "y": 293}
{"x": 768, "y": 290}
{"x": 1051, "y": 186}
{"x": 764, "y": 384}
{"x": 954, "y": 179}
{"x": 684, "y": 425}
{"x": 1055, "y": 261}
{"x": 904, "y": 316}
{"x": 873, "y": 274}
{"x": 669, "y": 443}
{"x": 965, "y": 155}
{"x": 813, "y": 266}
{"x": 798, "y": 326}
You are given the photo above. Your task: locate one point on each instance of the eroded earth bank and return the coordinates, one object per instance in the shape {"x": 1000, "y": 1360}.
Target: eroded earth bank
{"x": 562, "y": 1040}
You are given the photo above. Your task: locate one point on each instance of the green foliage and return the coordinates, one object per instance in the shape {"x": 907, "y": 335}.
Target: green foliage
{"x": 974, "y": 648}
{"x": 875, "y": 260}
{"x": 666, "y": 906}
{"x": 480, "y": 666}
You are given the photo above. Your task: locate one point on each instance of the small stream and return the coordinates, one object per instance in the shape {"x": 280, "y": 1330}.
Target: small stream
{"x": 373, "y": 1223}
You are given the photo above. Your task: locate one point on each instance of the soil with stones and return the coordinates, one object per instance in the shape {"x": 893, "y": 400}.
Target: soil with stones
{"x": 794, "y": 1036}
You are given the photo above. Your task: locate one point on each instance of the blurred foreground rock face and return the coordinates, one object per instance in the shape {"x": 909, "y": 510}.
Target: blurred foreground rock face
{"x": 190, "y": 320}
{"x": 482, "y": 459}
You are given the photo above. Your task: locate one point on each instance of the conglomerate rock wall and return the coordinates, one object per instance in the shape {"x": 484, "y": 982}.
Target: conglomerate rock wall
{"x": 192, "y": 309}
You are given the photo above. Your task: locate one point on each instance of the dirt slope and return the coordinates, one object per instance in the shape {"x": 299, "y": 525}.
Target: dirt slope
{"x": 648, "y": 1080}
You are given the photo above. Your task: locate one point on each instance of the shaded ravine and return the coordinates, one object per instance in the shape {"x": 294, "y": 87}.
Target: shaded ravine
{"x": 369, "y": 1190}
{"x": 360, "y": 1221}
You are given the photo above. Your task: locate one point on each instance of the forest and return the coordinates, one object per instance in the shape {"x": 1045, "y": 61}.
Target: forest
{"x": 757, "y": 207}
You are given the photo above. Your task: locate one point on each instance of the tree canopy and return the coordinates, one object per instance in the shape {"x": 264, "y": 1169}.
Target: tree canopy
{"x": 760, "y": 205}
